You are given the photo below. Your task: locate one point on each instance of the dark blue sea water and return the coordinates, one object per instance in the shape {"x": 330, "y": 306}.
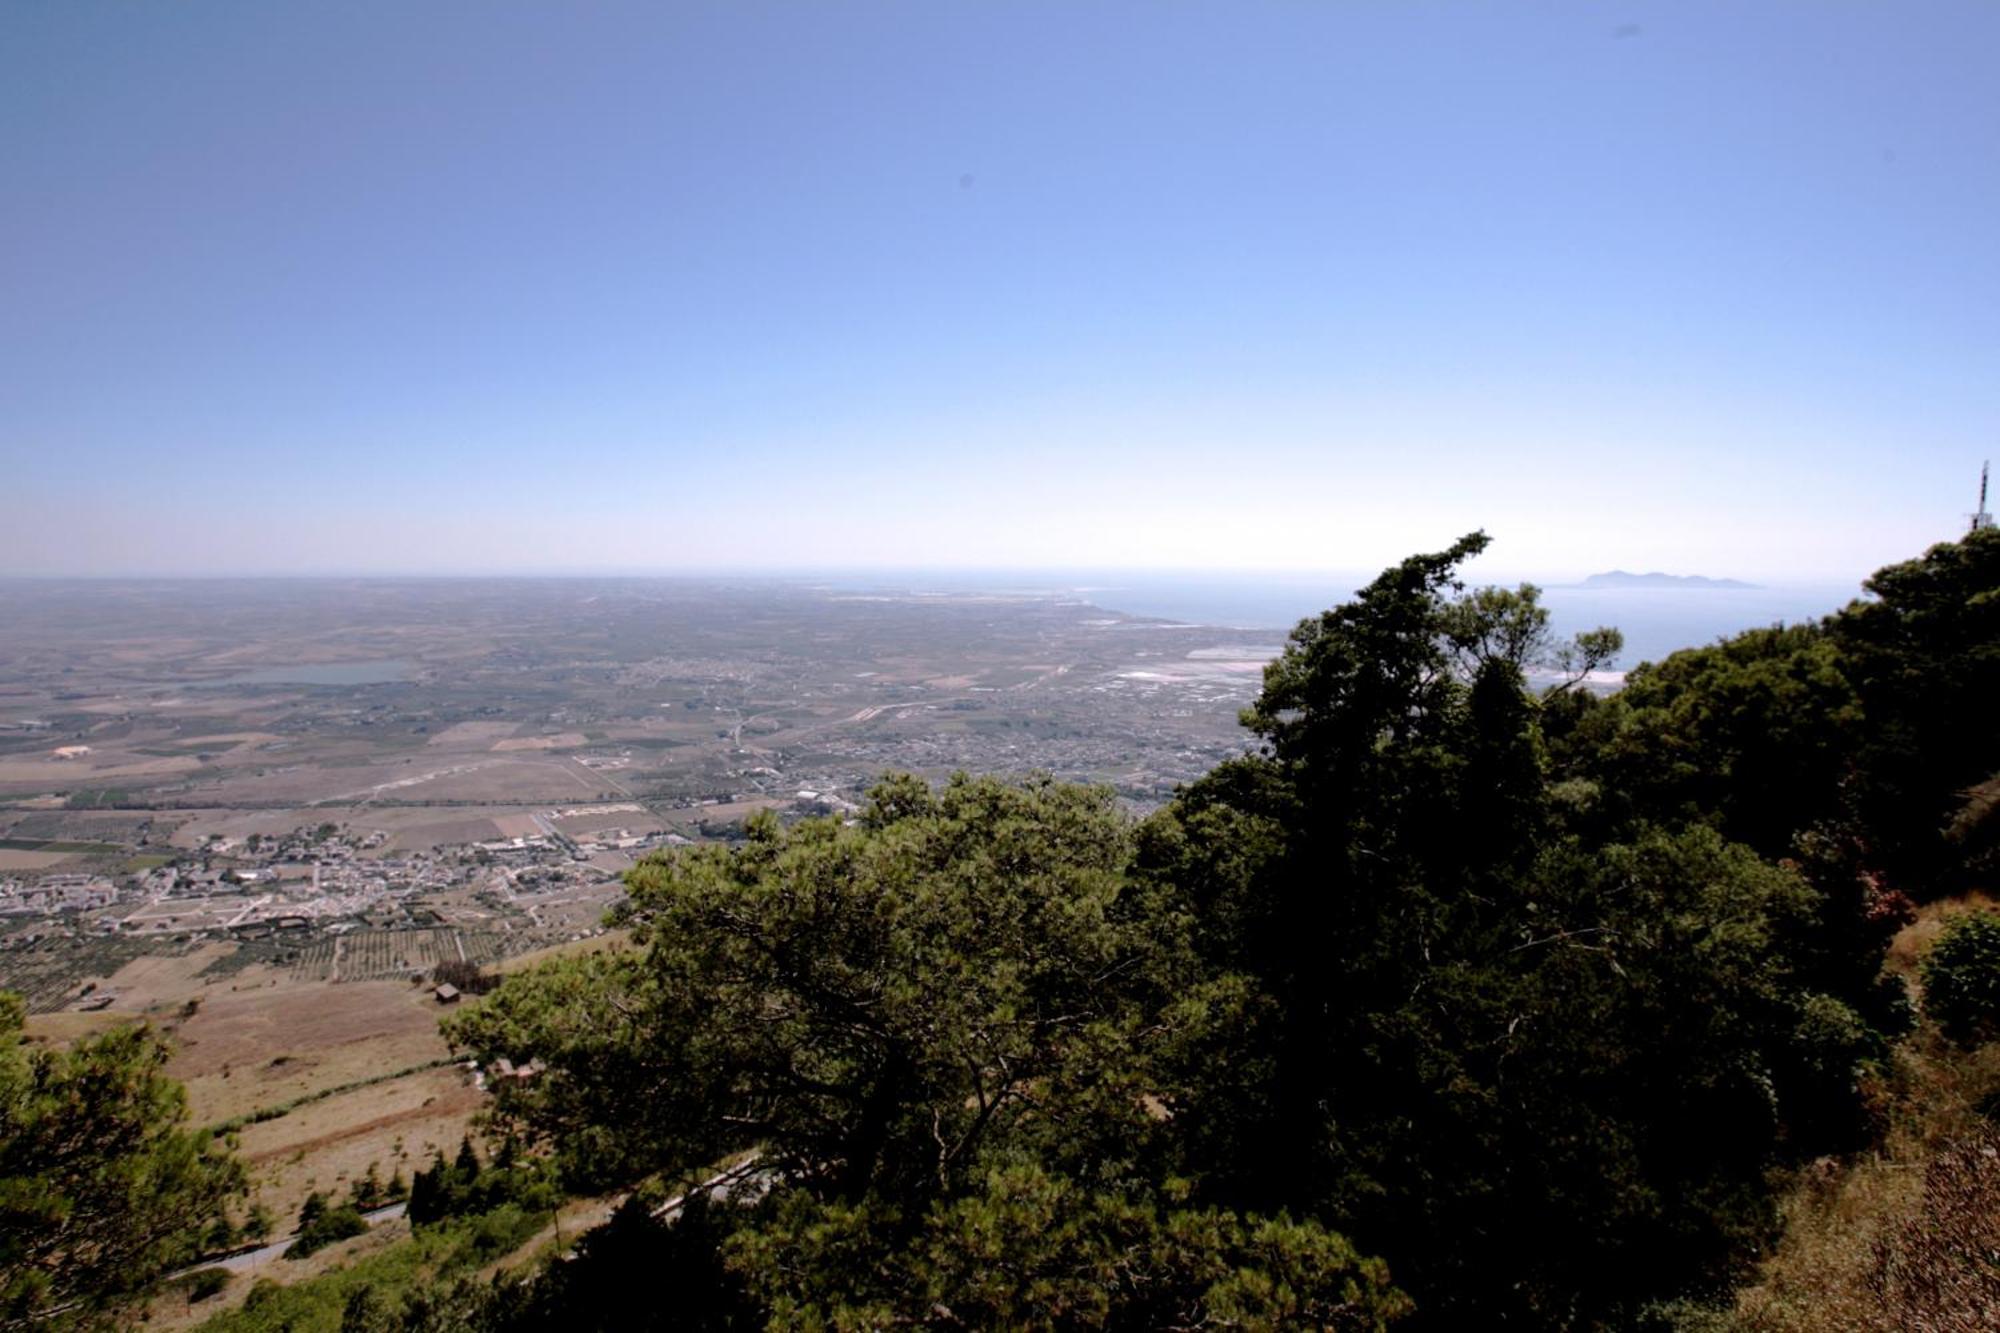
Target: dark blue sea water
{"x": 1659, "y": 621}
{"x": 1655, "y": 621}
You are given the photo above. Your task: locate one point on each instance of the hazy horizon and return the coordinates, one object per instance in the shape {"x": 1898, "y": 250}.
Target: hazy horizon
{"x": 1259, "y": 608}
{"x": 454, "y": 289}
{"x": 1031, "y": 580}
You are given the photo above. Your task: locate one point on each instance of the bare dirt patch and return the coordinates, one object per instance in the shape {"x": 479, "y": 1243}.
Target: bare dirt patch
{"x": 232, "y": 739}
{"x": 632, "y": 818}
{"x": 473, "y": 735}
{"x": 568, "y": 740}
{"x": 442, "y": 832}
{"x": 728, "y": 810}
{"x": 13, "y": 860}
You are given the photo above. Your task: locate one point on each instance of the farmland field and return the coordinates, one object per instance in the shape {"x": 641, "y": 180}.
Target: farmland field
{"x": 52, "y": 845}
{"x": 16, "y": 859}
{"x": 51, "y": 972}
{"x": 385, "y": 954}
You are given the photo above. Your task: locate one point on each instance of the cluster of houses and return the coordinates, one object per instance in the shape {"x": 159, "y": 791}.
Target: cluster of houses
{"x": 501, "y": 1071}
{"x": 57, "y": 893}
{"x": 320, "y": 878}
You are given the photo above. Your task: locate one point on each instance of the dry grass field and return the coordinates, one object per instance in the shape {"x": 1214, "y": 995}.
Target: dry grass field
{"x": 1902, "y": 1237}
{"x": 470, "y": 779}
{"x": 471, "y": 735}
{"x": 272, "y": 1042}
{"x": 161, "y": 983}
{"x": 40, "y": 774}
{"x": 11, "y": 859}
{"x": 326, "y": 1145}
{"x": 441, "y": 832}
{"x": 261, "y": 1040}
{"x": 409, "y": 828}
{"x": 60, "y": 1029}
{"x": 1899, "y": 1238}
{"x": 568, "y": 740}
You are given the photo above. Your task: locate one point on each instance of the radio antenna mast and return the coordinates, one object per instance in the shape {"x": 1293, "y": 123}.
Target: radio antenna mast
{"x": 1982, "y": 519}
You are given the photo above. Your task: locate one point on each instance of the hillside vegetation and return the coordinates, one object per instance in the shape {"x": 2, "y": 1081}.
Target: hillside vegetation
{"x": 1450, "y": 1004}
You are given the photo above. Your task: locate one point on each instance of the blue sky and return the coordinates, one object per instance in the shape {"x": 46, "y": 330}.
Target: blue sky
{"x": 1711, "y": 288}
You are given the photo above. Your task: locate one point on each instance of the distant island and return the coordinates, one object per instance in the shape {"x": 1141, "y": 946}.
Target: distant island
{"x": 1618, "y": 578}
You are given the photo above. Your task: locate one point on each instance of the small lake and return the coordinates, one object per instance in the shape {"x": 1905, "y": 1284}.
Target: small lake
{"x": 384, "y": 672}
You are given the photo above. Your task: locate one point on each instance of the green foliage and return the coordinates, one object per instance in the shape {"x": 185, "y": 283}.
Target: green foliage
{"x": 1029, "y": 1250}
{"x": 322, "y": 1224}
{"x": 1024, "y": 1249}
{"x": 867, "y": 1004}
{"x": 470, "y": 978}
{"x": 462, "y": 1186}
{"x": 367, "y": 1192}
{"x": 1755, "y": 735}
{"x": 219, "y": 1235}
{"x": 205, "y": 1283}
{"x": 408, "y": 1281}
{"x": 102, "y": 1188}
{"x": 1961, "y": 976}
{"x": 612, "y": 1281}
{"x": 1925, "y": 658}
{"x": 1873, "y": 724}
{"x": 1541, "y": 1060}
{"x": 889, "y": 1014}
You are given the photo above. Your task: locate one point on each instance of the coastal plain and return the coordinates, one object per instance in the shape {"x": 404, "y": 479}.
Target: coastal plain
{"x": 263, "y": 829}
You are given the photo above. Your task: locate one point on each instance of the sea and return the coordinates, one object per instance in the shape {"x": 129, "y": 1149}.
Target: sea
{"x": 1655, "y": 621}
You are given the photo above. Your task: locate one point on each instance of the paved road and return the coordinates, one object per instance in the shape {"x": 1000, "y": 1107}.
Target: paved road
{"x": 743, "y": 1177}
{"x": 245, "y": 1260}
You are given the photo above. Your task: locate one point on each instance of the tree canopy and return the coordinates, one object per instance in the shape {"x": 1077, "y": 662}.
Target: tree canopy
{"x": 1540, "y": 1062}
{"x": 959, "y": 1041}
{"x": 102, "y": 1188}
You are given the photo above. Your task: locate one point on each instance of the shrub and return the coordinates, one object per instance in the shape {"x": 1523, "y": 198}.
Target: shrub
{"x": 206, "y": 1282}
{"x": 468, "y": 977}
{"x": 1962, "y": 977}
{"x": 325, "y": 1228}
{"x": 463, "y": 1187}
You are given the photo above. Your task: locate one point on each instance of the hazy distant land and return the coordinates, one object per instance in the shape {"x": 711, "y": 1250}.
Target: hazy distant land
{"x": 1618, "y": 578}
